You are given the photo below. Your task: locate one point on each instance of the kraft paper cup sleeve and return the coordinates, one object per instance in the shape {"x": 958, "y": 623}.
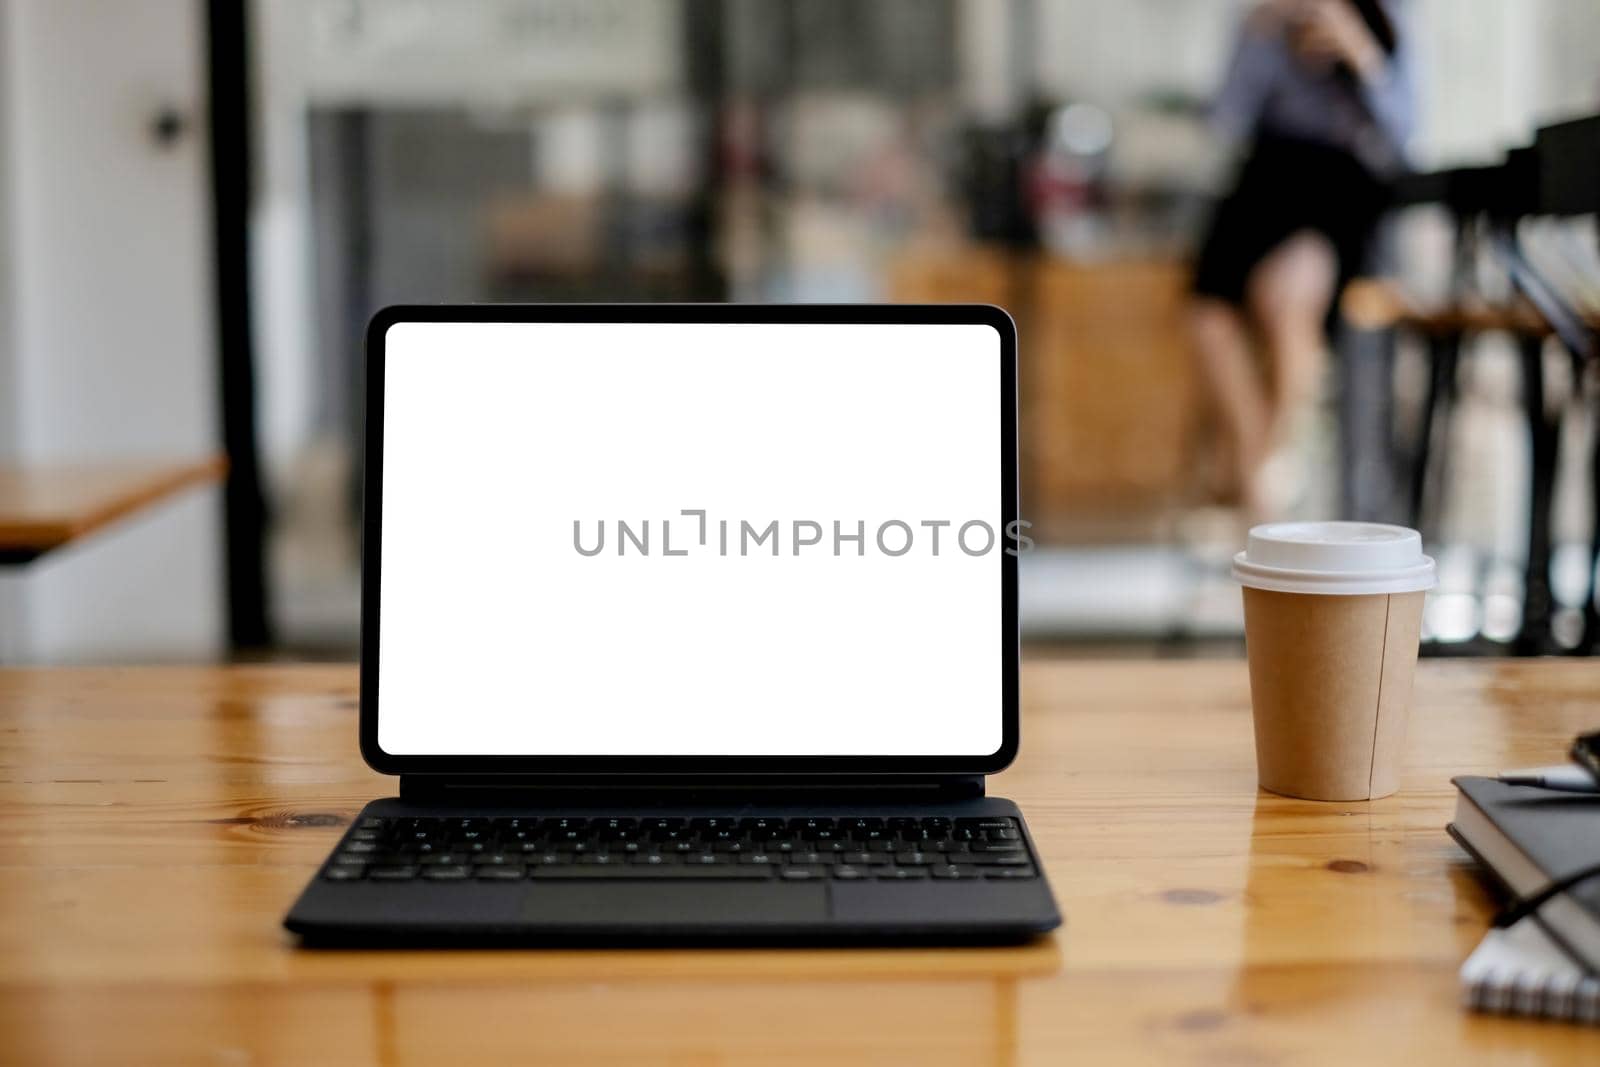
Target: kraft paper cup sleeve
{"x": 1330, "y": 686}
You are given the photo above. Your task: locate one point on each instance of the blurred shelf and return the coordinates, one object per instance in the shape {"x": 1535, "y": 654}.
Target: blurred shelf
{"x": 47, "y": 506}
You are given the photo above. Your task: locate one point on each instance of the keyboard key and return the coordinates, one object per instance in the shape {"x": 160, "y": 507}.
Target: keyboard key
{"x": 622, "y": 871}
{"x": 759, "y": 858}
{"x": 344, "y": 872}
{"x": 847, "y": 873}
{"x": 393, "y": 874}
{"x": 372, "y": 823}
{"x": 655, "y": 859}
{"x": 364, "y": 835}
{"x": 442, "y": 859}
{"x": 1004, "y": 835}
{"x": 517, "y": 847}
{"x": 360, "y": 847}
{"x": 802, "y": 873}
{"x": 1000, "y": 859}
{"x": 453, "y": 873}
{"x": 1009, "y": 872}
{"x": 995, "y": 846}
{"x": 713, "y": 824}
{"x": 598, "y": 859}
{"x": 662, "y": 824}
{"x": 562, "y": 825}
{"x": 812, "y": 859}
{"x": 936, "y": 822}
{"x": 954, "y": 870}
{"x": 913, "y": 859}
{"x": 864, "y": 859}
{"x": 901, "y": 874}
{"x": 512, "y": 873}
{"x": 494, "y": 859}
{"x": 379, "y": 859}
{"x": 988, "y": 822}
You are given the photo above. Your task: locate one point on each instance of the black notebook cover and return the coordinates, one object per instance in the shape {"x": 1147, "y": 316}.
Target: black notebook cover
{"x": 1558, "y": 832}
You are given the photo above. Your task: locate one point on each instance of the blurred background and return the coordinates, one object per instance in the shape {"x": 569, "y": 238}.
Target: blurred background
{"x": 201, "y": 204}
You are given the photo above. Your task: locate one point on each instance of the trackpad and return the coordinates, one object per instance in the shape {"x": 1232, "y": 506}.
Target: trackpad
{"x": 679, "y": 903}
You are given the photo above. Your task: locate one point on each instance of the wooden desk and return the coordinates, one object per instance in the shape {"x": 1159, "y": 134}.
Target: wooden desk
{"x": 43, "y": 508}
{"x": 156, "y": 823}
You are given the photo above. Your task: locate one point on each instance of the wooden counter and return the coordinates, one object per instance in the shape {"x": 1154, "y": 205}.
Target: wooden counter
{"x": 156, "y": 823}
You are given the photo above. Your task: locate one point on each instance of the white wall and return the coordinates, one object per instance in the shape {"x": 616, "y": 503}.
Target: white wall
{"x": 107, "y": 339}
{"x": 1112, "y": 53}
{"x": 1494, "y": 71}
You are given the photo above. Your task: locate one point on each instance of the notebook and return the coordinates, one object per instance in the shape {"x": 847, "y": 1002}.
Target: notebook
{"x": 1521, "y": 971}
{"x": 1527, "y": 838}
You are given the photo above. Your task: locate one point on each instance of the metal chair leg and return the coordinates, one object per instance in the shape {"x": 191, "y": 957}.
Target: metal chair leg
{"x": 1444, "y": 353}
{"x": 1535, "y": 637}
{"x": 1590, "y": 641}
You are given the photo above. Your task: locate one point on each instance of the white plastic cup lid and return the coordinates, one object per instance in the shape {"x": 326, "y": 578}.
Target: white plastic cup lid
{"x": 1335, "y": 558}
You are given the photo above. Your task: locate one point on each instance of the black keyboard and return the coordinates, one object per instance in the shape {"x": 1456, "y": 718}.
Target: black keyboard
{"x": 743, "y": 848}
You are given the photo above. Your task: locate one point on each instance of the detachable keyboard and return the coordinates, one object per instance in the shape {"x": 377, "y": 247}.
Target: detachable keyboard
{"x": 666, "y": 848}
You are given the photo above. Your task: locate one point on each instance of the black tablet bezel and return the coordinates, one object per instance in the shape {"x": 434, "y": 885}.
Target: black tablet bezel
{"x": 741, "y": 766}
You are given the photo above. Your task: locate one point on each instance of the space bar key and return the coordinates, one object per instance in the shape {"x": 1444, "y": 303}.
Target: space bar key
{"x": 637, "y": 873}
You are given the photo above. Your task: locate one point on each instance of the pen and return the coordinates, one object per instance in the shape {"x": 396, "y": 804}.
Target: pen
{"x": 1566, "y": 778}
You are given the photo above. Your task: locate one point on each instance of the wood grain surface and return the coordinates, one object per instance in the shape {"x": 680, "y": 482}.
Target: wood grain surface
{"x": 43, "y": 508}
{"x": 155, "y": 824}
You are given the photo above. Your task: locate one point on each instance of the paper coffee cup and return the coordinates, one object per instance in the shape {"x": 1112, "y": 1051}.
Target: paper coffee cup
{"x": 1332, "y": 619}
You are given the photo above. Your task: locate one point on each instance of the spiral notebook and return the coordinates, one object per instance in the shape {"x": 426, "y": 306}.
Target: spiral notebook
{"x": 1548, "y": 963}
{"x": 1521, "y": 971}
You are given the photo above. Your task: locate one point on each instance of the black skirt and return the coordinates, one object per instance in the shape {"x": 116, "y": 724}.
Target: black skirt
{"x": 1285, "y": 186}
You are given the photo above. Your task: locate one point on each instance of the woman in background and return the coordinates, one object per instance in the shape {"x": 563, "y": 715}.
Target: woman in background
{"x": 1322, "y": 90}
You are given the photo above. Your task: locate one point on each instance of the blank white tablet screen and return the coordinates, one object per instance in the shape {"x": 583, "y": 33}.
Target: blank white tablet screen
{"x": 628, "y": 539}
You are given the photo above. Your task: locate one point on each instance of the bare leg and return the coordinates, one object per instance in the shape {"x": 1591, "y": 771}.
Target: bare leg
{"x": 1234, "y": 383}
{"x": 1289, "y": 293}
